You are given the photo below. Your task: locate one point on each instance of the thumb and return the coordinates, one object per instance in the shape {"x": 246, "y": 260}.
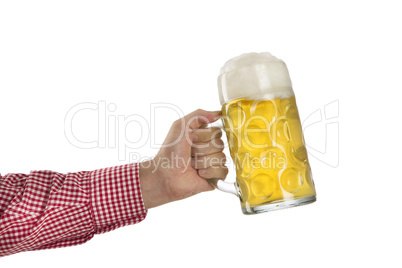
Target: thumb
{"x": 201, "y": 117}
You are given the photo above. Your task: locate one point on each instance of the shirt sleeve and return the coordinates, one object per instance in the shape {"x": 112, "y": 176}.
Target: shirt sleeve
{"x": 46, "y": 209}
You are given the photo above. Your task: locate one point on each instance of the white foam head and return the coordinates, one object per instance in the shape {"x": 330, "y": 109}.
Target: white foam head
{"x": 254, "y": 76}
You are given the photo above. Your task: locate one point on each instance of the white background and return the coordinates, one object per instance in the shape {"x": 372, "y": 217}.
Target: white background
{"x": 54, "y": 55}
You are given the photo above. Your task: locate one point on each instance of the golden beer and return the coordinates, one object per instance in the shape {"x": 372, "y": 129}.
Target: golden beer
{"x": 267, "y": 146}
{"x": 264, "y": 133}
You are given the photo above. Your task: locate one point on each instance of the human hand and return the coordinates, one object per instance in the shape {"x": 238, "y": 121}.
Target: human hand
{"x": 190, "y": 155}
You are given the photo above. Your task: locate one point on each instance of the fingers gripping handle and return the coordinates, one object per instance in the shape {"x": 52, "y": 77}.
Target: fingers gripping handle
{"x": 228, "y": 187}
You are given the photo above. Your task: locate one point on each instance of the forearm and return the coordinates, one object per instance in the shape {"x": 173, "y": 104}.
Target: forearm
{"x": 47, "y": 209}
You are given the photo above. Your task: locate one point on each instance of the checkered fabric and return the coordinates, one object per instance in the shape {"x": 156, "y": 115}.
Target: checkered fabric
{"x": 46, "y": 209}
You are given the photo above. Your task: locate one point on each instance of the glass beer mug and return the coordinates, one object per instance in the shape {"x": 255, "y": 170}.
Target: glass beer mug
{"x": 264, "y": 133}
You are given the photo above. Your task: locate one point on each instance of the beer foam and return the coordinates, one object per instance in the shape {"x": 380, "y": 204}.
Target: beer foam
{"x": 255, "y": 76}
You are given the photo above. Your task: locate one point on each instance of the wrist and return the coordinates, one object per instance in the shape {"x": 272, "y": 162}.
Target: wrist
{"x": 152, "y": 188}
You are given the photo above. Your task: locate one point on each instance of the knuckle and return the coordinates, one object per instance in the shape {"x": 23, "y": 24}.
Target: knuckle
{"x": 198, "y": 111}
{"x": 217, "y": 132}
{"x": 222, "y": 172}
{"x": 177, "y": 122}
{"x": 218, "y": 143}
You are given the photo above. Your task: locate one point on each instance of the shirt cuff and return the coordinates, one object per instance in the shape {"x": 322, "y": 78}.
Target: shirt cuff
{"x": 116, "y": 197}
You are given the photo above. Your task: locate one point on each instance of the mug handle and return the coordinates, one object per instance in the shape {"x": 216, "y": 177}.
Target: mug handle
{"x": 228, "y": 187}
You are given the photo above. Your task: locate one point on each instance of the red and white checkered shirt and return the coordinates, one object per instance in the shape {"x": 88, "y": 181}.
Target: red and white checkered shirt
{"x": 46, "y": 209}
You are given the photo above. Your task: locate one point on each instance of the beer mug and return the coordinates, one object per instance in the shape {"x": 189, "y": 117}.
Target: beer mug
{"x": 264, "y": 133}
